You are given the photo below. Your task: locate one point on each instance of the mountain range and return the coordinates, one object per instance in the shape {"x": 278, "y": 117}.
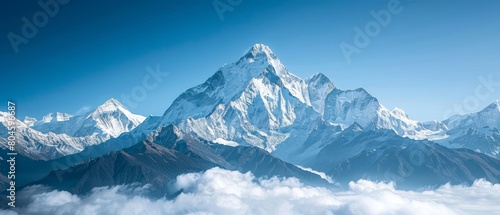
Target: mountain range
{"x": 254, "y": 115}
{"x": 60, "y": 134}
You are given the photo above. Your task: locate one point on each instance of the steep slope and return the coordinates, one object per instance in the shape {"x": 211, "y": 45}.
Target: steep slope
{"x": 227, "y": 82}
{"x": 319, "y": 86}
{"x": 264, "y": 115}
{"x": 254, "y": 101}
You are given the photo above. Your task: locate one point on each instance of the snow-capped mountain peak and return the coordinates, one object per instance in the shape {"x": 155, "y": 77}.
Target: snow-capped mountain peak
{"x": 496, "y": 105}
{"x": 319, "y": 79}
{"x": 109, "y": 106}
{"x": 493, "y": 108}
{"x": 488, "y": 116}
{"x": 319, "y": 86}
{"x": 55, "y": 117}
{"x": 262, "y": 59}
{"x": 260, "y": 51}
{"x": 110, "y": 118}
{"x": 59, "y": 134}
{"x": 29, "y": 121}
{"x": 399, "y": 112}
{"x": 229, "y": 82}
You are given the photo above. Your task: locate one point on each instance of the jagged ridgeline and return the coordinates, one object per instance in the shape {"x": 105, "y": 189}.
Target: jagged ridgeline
{"x": 255, "y": 115}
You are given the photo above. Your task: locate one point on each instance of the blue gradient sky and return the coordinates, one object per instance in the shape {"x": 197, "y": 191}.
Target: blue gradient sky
{"x": 426, "y": 61}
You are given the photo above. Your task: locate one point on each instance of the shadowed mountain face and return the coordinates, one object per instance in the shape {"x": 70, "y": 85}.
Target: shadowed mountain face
{"x": 385, "y": 156}
{"x": 353, "y": 154}
{"x": 145, "y": 162}
{"x": 165, "y": 155}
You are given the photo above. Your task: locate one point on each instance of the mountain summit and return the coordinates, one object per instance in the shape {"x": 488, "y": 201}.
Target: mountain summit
{"x": 229, "y": 81}
{"x": 110, "y": 118}
{"x": 260, "y": 51}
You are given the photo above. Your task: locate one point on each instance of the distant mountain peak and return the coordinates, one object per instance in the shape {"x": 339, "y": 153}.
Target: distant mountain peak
{"x": 320, "y": 79}
{"x": 492, "y": 108}
{"x": 29, "y": 121}
{"x": 111, "y": 118}
{"x": 55, "y": 117}
{"x": 318, "y": 76}
{"x": 110, "y": 105}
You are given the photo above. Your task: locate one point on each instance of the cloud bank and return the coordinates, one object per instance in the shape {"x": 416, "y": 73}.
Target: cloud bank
{"x": 219, "y": 191}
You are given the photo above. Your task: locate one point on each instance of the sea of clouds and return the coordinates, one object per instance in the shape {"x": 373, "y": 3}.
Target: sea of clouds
{"x": 219, "y": 191}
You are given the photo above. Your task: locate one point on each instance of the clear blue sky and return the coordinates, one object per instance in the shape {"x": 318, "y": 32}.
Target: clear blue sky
{"x": 426, "y": 60}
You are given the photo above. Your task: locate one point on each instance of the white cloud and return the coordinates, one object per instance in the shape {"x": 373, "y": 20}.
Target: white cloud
{"x": 219, "y": 191}
{"x": 320, "y": 174}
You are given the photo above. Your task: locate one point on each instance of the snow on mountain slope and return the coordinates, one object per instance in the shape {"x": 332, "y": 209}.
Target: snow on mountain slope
{"x": 477, "y": 131}
{"x": 44, "y": 146}
{"x": 254, "y": 101}
{"x": 61, "y": 134}
{"x": 319, "y": 86}
{"x": 57, "y": 117}
{"x": 349, "y": 106}
{"x": 346, "y": 107}
{"x": 489, "y": 116}
{"x": 257, "y": 101}
{"x": 228, "y": 82}
{"x": 264, "y": 115}
{"x": 29, "y": 121}
{"x": 108, "y": 120}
